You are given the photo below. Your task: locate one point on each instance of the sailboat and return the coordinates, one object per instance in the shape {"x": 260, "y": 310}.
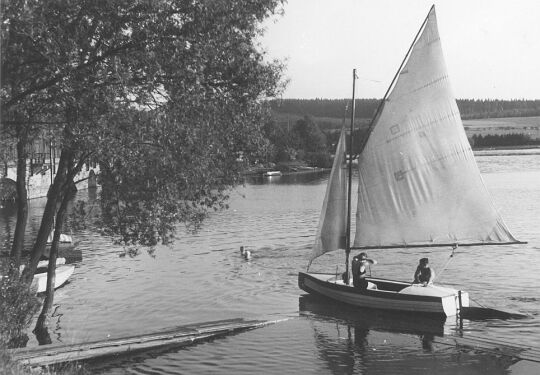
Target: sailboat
{"x": 419, "y": 187}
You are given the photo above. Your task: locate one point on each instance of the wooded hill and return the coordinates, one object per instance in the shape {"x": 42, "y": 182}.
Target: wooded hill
{"x": 329, "y": 113}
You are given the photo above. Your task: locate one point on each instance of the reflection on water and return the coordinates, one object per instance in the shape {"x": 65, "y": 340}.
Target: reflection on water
{"x": 202, "y": 277}
{"x": 318, "y": 342}
{"x": 391, "y": 321}
{"x": 377, "y": 342}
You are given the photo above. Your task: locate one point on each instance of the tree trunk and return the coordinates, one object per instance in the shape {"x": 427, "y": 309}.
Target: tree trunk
{"x": 54, "y": 195}
{"x": 22, "y": 201}
{"x": 41, "y": 330}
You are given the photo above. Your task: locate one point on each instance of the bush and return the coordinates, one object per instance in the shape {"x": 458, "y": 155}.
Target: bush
{"x": 319, "y": 159}
{"x": 18, "y": 304}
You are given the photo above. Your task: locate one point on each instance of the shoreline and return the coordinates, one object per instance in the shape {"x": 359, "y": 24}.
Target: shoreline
{"x": 523, "y": 147}
{"x": 300, "y": 168}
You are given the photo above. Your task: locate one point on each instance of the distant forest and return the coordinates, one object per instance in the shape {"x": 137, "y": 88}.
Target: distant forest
{"x": 365, "y": 108}
{"x": 306, "y": 129}
{"x": 502, "y": 140}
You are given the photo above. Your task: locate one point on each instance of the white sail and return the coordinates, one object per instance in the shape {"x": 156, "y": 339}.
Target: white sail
{"x": 419, "y": 182}
{"x": 331, "y": 234}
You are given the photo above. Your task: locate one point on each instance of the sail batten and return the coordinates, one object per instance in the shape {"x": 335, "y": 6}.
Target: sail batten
{"x": 419, "y": 184}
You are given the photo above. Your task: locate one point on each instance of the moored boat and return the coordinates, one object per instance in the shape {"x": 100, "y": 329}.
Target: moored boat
{"x": 45, "y": 263}
{"x": 64, "y": 238}
{"x": 62, "y": 275}
{"x": 272, "y": 173}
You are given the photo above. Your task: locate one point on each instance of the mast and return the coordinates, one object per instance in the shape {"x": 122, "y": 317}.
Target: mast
{"x": 349, "y": 186}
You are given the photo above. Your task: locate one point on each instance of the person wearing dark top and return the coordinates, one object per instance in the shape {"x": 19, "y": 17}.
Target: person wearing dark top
{"x": 424, "y": 274}
{"x": 359, "y": 268}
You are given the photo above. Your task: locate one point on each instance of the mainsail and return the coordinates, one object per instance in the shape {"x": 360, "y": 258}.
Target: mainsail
{"x": 331, "y": 234}
{"x": 419, "y": 183}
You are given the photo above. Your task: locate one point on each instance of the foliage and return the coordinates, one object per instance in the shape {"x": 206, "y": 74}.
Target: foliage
{"x": 309, "y": 136}
{"x": 494, "y": 108}
{"x": 18, "y": 304}
{"x": 283, "y": 141}
{"x": 9, "y": 367}
{"x": 164, "y": 94}
{"x": 304, "y": 141}
{"x": 365, "y": 108}
{"x": 502, "y": 140}
{"x": 319, "y": 159}
{"x": 335, "y": 108}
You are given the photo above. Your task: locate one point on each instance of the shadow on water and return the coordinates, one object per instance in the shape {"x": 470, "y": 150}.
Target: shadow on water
{"x": 361, "y": 341}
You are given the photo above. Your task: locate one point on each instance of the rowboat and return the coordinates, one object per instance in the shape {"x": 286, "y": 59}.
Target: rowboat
{"x": 45, "y": 263}
{"x": 272, "y": 173}
{"x": 39, "y": 283}
{"x": 64, "y": 238}
{"x": 418, "y": 187}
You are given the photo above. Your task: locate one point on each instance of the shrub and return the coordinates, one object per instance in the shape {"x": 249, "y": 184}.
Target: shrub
{"x": 18, "y": 304}
{"x": 319, "y": 159}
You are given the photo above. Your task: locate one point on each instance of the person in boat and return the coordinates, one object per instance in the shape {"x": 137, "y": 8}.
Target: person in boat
{"x": 424, "y": 274}
{"x": 359, "y": 271}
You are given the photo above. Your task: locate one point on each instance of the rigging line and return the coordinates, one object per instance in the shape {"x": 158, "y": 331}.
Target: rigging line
{"x": 383, "y": 100}
{"x": 447, "y": 261}
{"x": 478, "y": 303}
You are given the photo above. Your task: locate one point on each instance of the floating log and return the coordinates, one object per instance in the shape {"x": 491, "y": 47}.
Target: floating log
{"x": 172, "y": 337}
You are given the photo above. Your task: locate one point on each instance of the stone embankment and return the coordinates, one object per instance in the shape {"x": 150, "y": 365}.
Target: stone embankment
{"x": 38, "y": 181}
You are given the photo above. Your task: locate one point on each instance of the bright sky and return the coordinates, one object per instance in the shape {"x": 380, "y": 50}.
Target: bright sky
{"x": 492, "y": 47}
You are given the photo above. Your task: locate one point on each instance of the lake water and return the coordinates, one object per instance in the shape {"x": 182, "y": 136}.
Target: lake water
{"x": 202, "y": 277}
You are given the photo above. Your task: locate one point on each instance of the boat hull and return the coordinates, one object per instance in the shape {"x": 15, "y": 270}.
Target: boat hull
{"x": 390, "y": 295}
{"x": 272, "y": 174}
{"x": 373, "y": 319}
{"x": 62, "y": 274}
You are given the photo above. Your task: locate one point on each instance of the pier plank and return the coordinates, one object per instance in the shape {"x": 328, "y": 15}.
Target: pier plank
{"x": 170, "y": 337}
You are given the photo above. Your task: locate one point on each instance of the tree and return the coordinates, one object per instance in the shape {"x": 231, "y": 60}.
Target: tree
{"x": 312, "y": 139}
{"x": 164, "y": 94}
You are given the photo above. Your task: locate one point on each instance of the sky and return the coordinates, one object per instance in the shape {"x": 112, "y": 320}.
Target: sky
{"x": 491, "y": 47}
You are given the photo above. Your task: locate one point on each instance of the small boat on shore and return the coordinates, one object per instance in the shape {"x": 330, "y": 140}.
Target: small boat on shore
{"x": 45, "y": 263}
{"x": 64, "y": 238}
{"x": 63, "y": 273}
{"x": 272, "y": 173}
{"x": 418, "y": 187}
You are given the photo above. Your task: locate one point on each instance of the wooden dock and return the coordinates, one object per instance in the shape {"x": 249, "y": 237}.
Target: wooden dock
{"x": 169, "y": 338}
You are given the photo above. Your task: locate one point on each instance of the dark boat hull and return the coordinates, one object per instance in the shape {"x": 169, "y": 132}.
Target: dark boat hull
{"x": 389, "y": 295}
